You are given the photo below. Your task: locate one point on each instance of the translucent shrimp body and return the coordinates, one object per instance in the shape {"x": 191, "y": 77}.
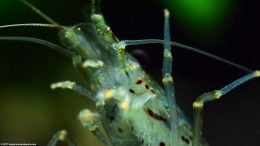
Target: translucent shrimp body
{"x": 132, "y": 107}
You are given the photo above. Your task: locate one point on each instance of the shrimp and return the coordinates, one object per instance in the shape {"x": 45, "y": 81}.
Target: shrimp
{"x": 132, "y": 108}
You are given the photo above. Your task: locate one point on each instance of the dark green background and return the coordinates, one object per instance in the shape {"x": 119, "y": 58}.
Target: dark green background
{"x": 31, "y": 112}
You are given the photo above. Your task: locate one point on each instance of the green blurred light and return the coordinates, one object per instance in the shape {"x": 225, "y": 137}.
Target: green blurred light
{"x": 205, "y": 16}
{"x": 199, "y": 9}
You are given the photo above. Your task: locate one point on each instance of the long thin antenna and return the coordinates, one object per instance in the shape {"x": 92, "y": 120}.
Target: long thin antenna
{"x": 39, "y": 12}
{"x": 158, "y": 41}
{"x": 55, "y": 26}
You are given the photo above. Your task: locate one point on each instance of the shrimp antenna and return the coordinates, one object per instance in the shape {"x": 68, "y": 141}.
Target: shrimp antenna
{"x": 56, "y": 26}
{"x": 158, "y": 41}
{"x": 38, "y": 11}
{"x": 36, "y": 40}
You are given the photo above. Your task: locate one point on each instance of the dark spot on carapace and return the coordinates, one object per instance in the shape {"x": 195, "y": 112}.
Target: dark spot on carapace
{"x": 131, "y": 91}
{"x": 154, "y": 115}
{"x": 112, "y": 118}
{"x": 127, "y": 74}
{"x": 152, "y": 91}
{"x": 161, "y": 144}
{"x": 146, "y": 86}
{"x": 186, "y": 140}
{"x": 132, "y": 128}
{"x": 142, "y": 142}
{"x": 138, "y": 82}
{"x": 111, "y": 114}
{"x": 120, "y": 130}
